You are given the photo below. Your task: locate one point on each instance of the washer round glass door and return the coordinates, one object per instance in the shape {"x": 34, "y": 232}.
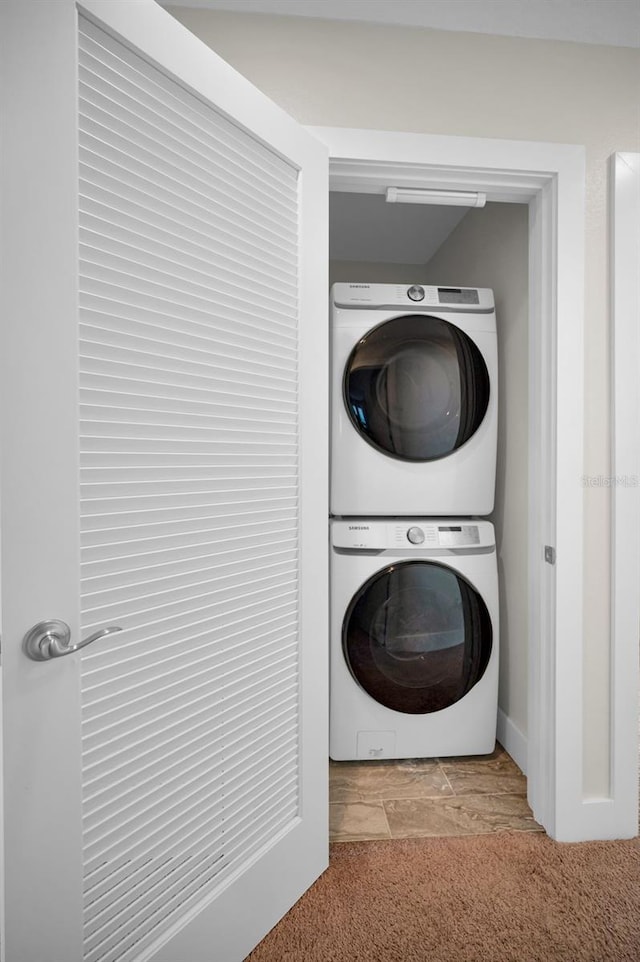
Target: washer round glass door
{"x": 416, "y": 387}
{"x": 417, "y": 637}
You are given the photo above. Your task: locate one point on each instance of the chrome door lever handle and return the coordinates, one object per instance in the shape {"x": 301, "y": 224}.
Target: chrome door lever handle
{"x": 52, "y": 639}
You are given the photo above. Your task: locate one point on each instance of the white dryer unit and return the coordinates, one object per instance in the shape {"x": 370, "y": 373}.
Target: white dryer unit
{"x": 414, "y": 400}
{"x": 414, "y": 638}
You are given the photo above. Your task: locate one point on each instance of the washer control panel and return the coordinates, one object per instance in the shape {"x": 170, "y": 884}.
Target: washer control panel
{"x": 405, "y": 535}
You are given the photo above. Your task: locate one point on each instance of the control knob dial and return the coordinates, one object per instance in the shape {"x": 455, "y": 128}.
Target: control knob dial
{"x": 416, "y": 293}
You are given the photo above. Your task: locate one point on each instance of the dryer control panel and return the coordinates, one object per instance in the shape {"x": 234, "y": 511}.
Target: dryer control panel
{"x": 406, "y": 534}
{"x": 416, "y": 296}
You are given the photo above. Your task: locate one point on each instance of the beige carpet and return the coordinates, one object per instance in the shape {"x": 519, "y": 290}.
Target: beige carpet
{"x": 504, "y": 898}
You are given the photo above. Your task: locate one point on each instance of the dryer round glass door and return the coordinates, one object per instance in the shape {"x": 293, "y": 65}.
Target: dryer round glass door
{"x": 416, "y": 387}
{"x": 417, "y": 637}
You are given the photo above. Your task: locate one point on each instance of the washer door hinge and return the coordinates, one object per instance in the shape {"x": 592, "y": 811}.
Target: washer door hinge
{"x": 549, "y": 554}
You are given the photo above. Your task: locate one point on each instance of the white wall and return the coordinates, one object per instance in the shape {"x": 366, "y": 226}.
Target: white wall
{"x": 346, "y": 74}
{"x": 490, "y": 248}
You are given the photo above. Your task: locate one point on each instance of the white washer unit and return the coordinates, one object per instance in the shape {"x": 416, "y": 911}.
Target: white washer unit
{"x": 414, "y": 638}
{"x": 414, "y": 400}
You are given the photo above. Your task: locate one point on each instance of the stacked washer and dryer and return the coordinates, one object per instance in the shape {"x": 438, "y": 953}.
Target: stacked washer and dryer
{"x": 414, "y": 581}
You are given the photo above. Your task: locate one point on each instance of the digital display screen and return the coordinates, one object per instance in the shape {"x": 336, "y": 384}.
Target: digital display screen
{"x": 458, "y": 536}
{"x": 457, "y": 295}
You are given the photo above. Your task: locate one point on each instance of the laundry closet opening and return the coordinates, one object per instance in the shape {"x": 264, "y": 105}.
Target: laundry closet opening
{"x": 375, "y": 242}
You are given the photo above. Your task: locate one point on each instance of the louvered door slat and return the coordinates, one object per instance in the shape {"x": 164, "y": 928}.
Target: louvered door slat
{"x": 192, "y": 740}
{"x": 136, "y": 145}
{"x": 134, "y": 736}
{"x": 155, "y": 516}
{"x": 168, "y": 590}
{"x": 96, "y": 583}
{"x": 227, "y": 478}
{"x": 192, "y": 808}
{"x": 184, "y": 143}
{"x": 270, "y": 640}
{"x": 189, "y": 496}
{"x": 216, "y": 614}
{"x": 100, "y": 234}
{"x": 109, "y": 82}
{"x": 258, "y": 352}
{"x": 124, "y": 70}
{"x": 139, "y": 762}
{"x": 122, "y": 589}
{"x": 114, "y": 812}
{"x": 128, "y": 557}
{"x": 193, "y": 337}
{"x": 164, "y": 279}
{"x": 117, "y": 286}
{"x": 115, "y": 215}
{"x": 192, "y": 348}
{"x": 141, "y": 367}
{"x": 116, "y": 500}
{"x": 189, "y": 180}
{"x": 169, "y": 673}
{"x": 121, "y": 87}
{"x": 137, "y": 596}
{"x": 113, "y": 949}
{"x": 117, "y": 200}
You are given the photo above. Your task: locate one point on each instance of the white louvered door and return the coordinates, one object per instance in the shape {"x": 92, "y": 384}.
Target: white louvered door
{"x": 164, "y": 472}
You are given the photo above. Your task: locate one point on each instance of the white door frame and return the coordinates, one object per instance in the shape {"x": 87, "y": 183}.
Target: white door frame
{"x": 625, "y": 476}
{"x": 550, "y": 178}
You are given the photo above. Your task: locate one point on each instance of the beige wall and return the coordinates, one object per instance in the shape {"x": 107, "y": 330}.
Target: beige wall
{"x": 398, "y": 78}
{"x": 372, "y": 272}
{"x": 490, "y": 248}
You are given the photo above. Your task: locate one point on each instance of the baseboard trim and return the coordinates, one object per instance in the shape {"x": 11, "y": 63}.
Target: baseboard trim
{"x": 512, "y": 739}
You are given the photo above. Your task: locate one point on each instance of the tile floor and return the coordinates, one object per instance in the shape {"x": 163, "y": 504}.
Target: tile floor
{"x": 436, "y": 796}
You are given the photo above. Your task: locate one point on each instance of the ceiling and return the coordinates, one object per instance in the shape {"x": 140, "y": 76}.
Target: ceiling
{"x": 614, "y": 22}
